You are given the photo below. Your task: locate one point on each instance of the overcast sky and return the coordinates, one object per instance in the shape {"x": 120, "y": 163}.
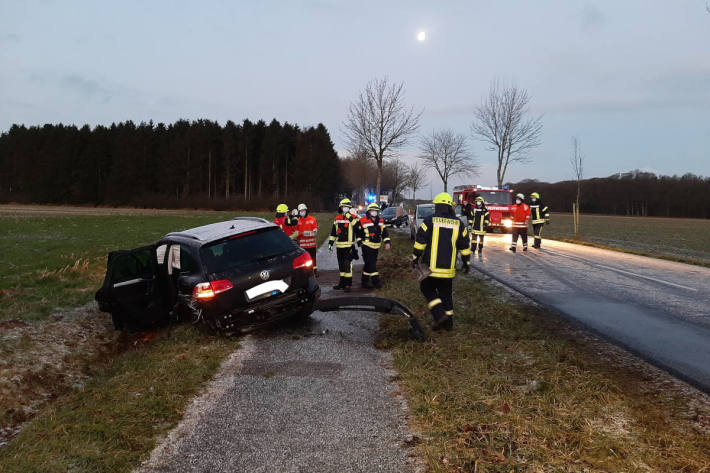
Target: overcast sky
{"x": 630, "y": 78}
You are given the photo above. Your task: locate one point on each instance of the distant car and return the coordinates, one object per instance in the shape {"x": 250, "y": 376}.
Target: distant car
{"x": 422, "y": 211}
{"x": 390, "y": 217}
{"x": 236, "y": 276}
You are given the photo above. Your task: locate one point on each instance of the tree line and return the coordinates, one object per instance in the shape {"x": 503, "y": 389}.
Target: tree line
{"x": 634, "y": 193}
{"x": 186, "y": 163}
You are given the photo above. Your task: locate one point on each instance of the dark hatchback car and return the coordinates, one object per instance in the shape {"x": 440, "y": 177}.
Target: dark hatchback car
{"x": 236, "y": 276}
{"x": 389, "y": 217}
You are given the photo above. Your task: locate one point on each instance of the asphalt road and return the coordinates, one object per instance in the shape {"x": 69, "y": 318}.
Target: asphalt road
{"x": 300, "y": 398}
{"x": 658, "y": 309}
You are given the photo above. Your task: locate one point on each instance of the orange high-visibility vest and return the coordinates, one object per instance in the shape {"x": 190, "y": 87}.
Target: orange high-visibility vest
{"x": 307, "y": 229}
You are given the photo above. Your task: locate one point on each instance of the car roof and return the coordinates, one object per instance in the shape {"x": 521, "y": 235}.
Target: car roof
{"x": 219, "y": 230}
{"x": 425, "y": 205}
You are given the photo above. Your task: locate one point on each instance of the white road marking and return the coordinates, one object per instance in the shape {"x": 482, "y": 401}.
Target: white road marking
{"x": 668, "y": 283}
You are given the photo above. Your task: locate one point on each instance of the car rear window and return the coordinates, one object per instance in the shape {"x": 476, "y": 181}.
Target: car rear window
{"x": 247, "y": 248}
{"x": 424, "y": 212}
{"x": 389, "y": 211}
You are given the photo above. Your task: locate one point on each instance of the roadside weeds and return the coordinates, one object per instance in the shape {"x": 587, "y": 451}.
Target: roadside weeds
{"x": 113, "y": 421}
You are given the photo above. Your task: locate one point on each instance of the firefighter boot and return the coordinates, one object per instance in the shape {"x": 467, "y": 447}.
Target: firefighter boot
{"x": 437, "y": 313}
{"x": 448, "y": 323}
{"x": 376, "y": 282}
{"x": 341, "y": 284}
{"x": 366, "y": 282}
{"x": 480, "y": 249}
{"x": 473, "y": 247}
{"x": 537, "y": 243}
{"x": 512, "y": 248}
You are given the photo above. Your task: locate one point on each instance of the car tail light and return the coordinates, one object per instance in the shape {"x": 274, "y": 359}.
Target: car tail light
{"x": 303, "y": 261}
{"x": 206, "y": 291}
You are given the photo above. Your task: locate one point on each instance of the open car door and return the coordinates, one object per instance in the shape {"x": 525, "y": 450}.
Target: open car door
{"x": 130, "y": 291}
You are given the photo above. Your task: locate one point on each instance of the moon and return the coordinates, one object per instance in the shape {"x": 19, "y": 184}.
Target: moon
{"x": 421, "y": 36}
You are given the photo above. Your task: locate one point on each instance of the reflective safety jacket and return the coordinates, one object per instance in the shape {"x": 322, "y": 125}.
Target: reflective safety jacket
{"x": 307, "y": 230}
{"x": 540, "y": 213}
{"x": 287, "y": 223}
{"x": 520, "y": 214}
{"x": 438, "y": 239}
{"x": 479, "y": 220}
{"x": 344, "y": 231}
{"x": 373, "y": 232}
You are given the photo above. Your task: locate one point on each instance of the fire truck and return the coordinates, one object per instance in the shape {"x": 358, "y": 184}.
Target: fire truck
{"x": 498, "y": 201}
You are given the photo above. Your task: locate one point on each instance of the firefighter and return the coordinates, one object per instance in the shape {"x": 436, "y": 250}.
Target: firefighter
{"x": 540, "y": 217}
{"x": 439, "y": 238}
{"x": 344, "y": 236}
{"x": 286, "y": 221}
{"x": 307, "y": 231}
{"x": 521, "y": 214}
{"x": 373, "y": 233}
{"x": 479, "y": 222}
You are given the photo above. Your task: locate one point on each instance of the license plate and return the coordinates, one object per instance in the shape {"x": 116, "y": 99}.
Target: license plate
{"x": 269, "y": 288}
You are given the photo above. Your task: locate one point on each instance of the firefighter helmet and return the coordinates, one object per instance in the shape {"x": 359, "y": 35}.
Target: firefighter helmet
{"x": 346, "y": 203}
{"x": 302, "y": 207}
{"x": 535, "y": 195}
{"x": 520, "y": 196}
{"x": 373, "y": 206}
{"x": 282, "y": 208}
{"x": 444, "y": 198}
{"x": 479, "y": 199}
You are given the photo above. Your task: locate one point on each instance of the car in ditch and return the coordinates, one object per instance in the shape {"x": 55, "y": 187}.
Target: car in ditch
{"x": 395, "y": 217}
{"x": 236, "y": 276}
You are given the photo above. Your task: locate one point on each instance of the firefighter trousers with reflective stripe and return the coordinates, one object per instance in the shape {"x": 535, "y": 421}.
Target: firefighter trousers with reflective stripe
{"x": 523, "y": 232}
{"x": 369, "y": 271}
{"x": 477, "y": 240}
{"x": 439, "y": 294}
{"x": 345, "y": 264}
{"x": 537, "y": 231}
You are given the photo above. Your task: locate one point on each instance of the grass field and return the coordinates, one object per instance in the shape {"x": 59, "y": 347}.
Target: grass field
{"x": 513, "y": 388}
{"x": 678, "y": 238}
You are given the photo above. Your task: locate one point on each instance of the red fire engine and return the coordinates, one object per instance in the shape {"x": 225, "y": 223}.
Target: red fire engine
{"x": 498, "y": 201}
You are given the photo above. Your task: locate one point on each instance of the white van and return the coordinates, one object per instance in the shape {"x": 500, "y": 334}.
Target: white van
{"x": 422, "y": 212}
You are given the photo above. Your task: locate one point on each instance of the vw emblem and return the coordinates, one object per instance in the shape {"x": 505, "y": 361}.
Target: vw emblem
{"x": 264, "y": 275}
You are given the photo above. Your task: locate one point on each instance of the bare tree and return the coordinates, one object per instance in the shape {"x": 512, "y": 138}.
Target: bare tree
{"x": 380, "y": 122}
{"x": 502, "y": 122}
{"x": 447, "y": 153}
{"x": 359, "y": 172}
{"x": 415, "y": 179}
{"x": 577, "y": 162}
{"x": 395, "y": 177}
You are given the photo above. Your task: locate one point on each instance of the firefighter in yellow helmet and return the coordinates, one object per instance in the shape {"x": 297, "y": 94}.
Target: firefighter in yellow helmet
{"x": 373, "y": 233}
{"x": 344, "y": 235}
{"x": 438, "y": 239}
{"x": 285, "y": 221}
{"x": 479, "y": 221}
{"x": 540, "y": 216}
